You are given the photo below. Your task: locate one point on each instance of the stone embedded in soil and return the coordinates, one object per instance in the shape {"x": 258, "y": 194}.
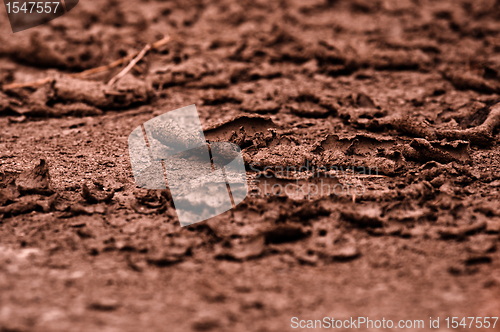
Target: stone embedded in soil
{"x": 35, "y": 180}
{"x": 364, "y": 101}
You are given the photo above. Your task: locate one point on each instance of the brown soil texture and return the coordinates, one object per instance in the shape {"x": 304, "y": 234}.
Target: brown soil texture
{"x": 409, "y": 87}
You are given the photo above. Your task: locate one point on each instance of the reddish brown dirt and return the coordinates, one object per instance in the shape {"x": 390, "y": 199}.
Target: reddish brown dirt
{"x": 408, "y": 87}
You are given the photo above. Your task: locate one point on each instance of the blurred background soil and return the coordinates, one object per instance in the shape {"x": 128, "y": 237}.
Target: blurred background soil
{"x": 409, "y": 87}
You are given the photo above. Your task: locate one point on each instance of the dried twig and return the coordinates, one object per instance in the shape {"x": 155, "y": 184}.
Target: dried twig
{"x": 161, "y": 42}
{"x": 86, "y": 73}
{"x": 100, "y": 69}
{"x": 34, "y": 84}
{"x": 130, "y": 65}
